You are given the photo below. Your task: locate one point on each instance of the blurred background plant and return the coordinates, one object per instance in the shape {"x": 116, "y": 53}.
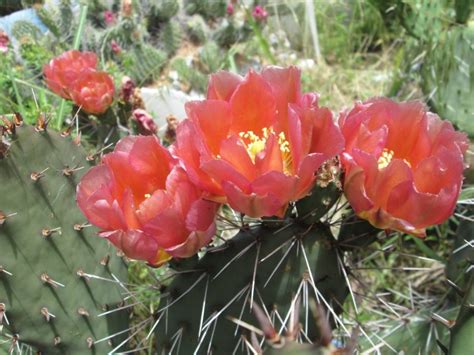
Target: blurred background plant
{"x": 160, "y": 54}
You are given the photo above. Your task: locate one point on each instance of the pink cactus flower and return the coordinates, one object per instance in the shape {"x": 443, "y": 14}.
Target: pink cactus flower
{"x": 259, "y": 13}
{"x": 146, "y": 125}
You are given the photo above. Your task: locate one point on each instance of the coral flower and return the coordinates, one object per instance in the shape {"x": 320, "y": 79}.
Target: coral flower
{"x": 93, "y": 91}
{"x": 403, "y": 165}
{"x": 256, "y": 142}
{"x": 61, "y": 72}
{"x": 144, "y": 204}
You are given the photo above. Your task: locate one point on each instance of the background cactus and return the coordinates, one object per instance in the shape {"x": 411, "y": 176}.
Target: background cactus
{"x": 22, "y": 29}
{"x": 208, "y": 9}
{"x": 448, "y": 77}
{"x": 144, "y": 63}
{"x": 162, "y": 11}
{"x": 56, "y": 277}
{"x": 170, "y": 37}
{"x": 196, "y": 29}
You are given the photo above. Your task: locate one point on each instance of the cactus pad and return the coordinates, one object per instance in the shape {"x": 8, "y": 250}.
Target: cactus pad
{"x": 53, "y": 269}
{"x": 268, "y": 267}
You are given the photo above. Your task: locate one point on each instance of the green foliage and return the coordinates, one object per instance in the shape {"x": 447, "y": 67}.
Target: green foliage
{"x": 463, "y": 10}
{"x": 448, "y": 77}
{"x": 35, "y": 55}
{"x": 48, "y": 248}
{"x": 252, "y": 266}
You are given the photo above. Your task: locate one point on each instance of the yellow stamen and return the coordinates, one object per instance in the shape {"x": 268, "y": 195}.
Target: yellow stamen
{"x": 256, "y": 143}
{"x": 385, "y": 158}
{"x": 147, "y": 195}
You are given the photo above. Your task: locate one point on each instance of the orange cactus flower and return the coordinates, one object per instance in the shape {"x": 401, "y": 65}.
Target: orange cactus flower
{"x": 403, "y": 165}
{"x": 61, "y": 72}
{"x": 256, "y": 142}
{"x": 93, "y": 91}
{"x": 145, "y": 204}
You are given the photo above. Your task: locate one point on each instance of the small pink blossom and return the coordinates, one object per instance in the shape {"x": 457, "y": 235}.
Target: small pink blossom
{"x": 126, "y": 88}
{"x": 259, "y": 13}
{"x": 115, "y": 47}
{"x": 109, "y": 18}
{"x": 230, "y": 9}
{"x": 4, "y": 42}
{"x": 146, "y": 125}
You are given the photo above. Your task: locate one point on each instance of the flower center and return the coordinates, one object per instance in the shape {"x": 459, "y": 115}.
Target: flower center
{"x": 254, "y": 144}
{"x": 386, "y": 158}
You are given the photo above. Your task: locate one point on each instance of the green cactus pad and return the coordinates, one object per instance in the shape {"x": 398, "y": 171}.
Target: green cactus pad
{"x": 222, "y": 281}
{"x": 53, "y": 267}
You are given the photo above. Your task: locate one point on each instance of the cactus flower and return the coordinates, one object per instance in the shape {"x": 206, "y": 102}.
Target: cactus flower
{"x": 115, "y": 47}
{"x": 256, "y": 142}
{"x": 61, "y": 72}
{"x": 4, "y": 42}
{"x": 93, "y": 91}
{"x": 403, "y": 165}
{"x": 145, "y": 123}
{"x": 230, "y": 9}
{"x": 109, "y": 18}
{"x": 145, "y": 204}
{"x": 259, "y": 13}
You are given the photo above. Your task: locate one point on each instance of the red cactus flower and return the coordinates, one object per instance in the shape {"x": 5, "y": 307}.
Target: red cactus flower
{"x": 4, "y": 42}
{"x": 61, "y": 72}
{"x": 259, "y": 13}
{"x": 403, "y": 165}
{"x": 256, "y": 142}
{"x": 146, "y": 125}
{"x": 93, "y": 91}
{"x": 145, "y": 204}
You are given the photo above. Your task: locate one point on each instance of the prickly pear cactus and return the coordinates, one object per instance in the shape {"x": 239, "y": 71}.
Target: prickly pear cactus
{"x": 22, "y": 29}
{"x": 196, "y": 29}
{"x": 56, "y": 278}
{"x": 171, "y": 37}
{"x": 163, "y": 10}
{"x": 448, "y": 77}
{"x": 463, "y": 329}
{"x": 267, "y": 266}
{"x": 461, "y": 275}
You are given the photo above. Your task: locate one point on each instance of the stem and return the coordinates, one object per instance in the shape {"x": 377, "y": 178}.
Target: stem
{"x": 264, "y": 46}
{"x": 17, "y": 93}
{"x": 76, "y": 45}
